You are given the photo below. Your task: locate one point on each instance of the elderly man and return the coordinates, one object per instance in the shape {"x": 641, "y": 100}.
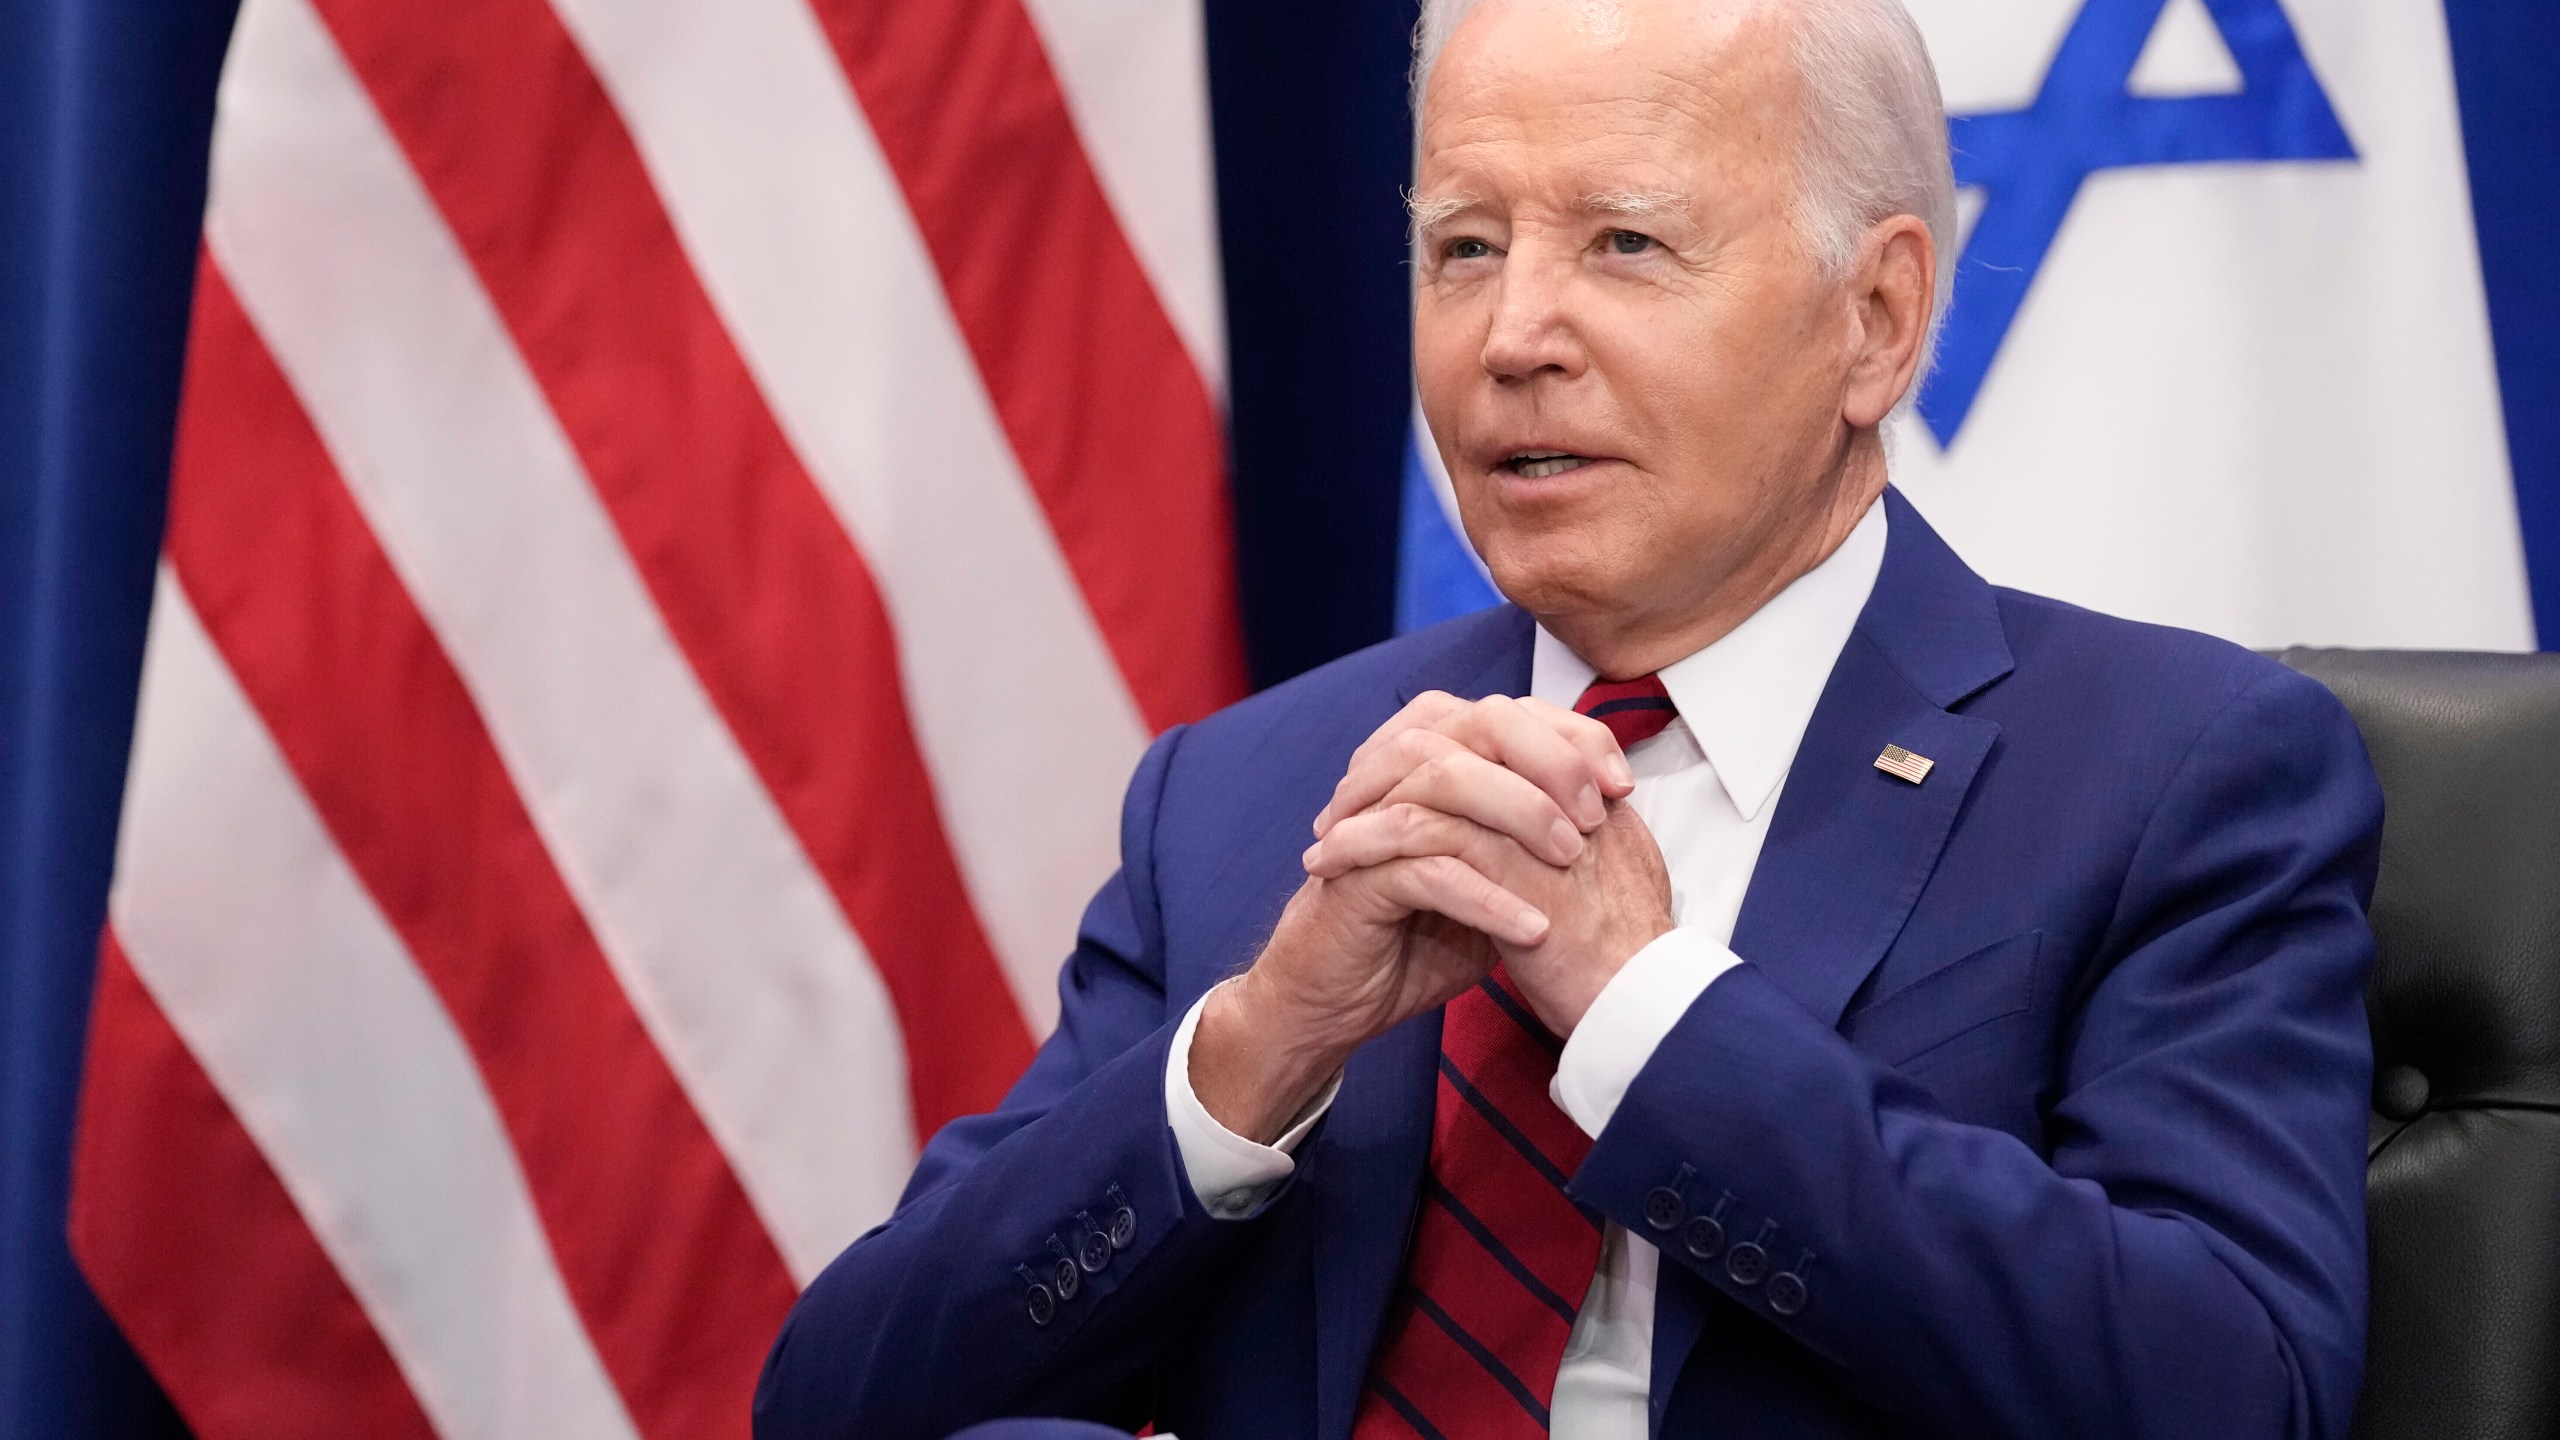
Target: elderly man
{"x": 1764, "y": 981}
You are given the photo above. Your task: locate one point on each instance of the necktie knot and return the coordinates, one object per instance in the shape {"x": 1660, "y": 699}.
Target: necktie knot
{"x": 1634, "y": 710}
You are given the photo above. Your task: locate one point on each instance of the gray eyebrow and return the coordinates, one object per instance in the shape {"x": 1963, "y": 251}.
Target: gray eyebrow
{"x": 1638, "y": 204}
{"x": 1428, "y": 210}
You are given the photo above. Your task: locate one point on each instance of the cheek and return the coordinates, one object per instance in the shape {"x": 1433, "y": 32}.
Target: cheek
{"x": 1448, "y": 338}
{"x": 1718, "y": 377}
{"x": 1688, "y": 379}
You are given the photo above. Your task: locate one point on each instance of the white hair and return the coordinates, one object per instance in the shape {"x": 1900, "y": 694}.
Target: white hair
{"x": 1875, "y": 128}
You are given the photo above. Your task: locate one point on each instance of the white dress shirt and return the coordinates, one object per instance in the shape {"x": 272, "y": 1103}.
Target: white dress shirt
{"x": 1706, "y": 786}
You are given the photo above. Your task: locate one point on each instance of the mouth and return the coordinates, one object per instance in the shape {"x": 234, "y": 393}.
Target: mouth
{"x": 1541, "y": 464}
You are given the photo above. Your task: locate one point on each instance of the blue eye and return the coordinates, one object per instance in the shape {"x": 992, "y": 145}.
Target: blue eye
{"x": 1468, "y": 250}
{"x": 1628, "y": 242}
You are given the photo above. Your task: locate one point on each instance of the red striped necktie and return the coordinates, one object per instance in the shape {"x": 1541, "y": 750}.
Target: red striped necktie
{"x": 1501, "y": 1257}
{"x": 1634, "y": 710}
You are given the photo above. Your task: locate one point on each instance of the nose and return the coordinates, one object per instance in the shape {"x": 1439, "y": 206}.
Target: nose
{"x": 1532, "y": 331}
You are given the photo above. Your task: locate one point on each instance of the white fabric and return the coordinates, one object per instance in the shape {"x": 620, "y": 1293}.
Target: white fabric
{"x": 2255, "y": 399}
{"x": 1707, "y": 786}
{"x": 1635, "y": 1010}
{"x": 1233, "y": 1176}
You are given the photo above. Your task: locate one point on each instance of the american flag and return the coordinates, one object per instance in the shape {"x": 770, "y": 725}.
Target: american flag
{"x": 685, "y": 514}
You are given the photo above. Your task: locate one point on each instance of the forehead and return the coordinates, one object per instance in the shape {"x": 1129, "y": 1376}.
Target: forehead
{"x": 1605, "y": 90}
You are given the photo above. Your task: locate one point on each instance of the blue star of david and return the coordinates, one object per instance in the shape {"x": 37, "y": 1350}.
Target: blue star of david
{"x": 2031, "y": 162}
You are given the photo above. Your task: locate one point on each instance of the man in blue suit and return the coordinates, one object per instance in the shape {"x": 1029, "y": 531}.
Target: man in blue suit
{"x": 1765, "y": 981}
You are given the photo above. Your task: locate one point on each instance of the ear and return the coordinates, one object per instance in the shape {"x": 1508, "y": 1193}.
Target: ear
{"x": 1889, "y": 293}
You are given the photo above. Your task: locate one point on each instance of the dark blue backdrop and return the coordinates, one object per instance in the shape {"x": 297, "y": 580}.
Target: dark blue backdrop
{"x": 104, "y": 112}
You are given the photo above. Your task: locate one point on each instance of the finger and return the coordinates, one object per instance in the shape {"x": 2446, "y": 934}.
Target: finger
{"x": 1574, "y": 758}
{"x": 1597, "y": 742}
{"x": 1507, "y": 732}
{"x": 1404, "y": 832}
{"x": 1465, "y": 784}
{"x": 1419, "y": 714}
{"x": 1380, "y": 765}
{"x": 1447, "y": 886}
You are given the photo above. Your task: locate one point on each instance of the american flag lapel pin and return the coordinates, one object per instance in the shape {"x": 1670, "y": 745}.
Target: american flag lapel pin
{"x": 1903, "y": 765}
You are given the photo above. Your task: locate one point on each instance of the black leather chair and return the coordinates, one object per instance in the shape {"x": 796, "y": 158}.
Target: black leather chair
{"x": 2464, "y": 1177}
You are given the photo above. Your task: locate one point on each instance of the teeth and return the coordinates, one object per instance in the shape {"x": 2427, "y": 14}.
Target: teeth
{"x": 1540, "y": 467}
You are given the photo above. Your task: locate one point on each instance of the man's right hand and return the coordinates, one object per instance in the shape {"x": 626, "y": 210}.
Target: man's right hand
{"x": 1355, "y": 955}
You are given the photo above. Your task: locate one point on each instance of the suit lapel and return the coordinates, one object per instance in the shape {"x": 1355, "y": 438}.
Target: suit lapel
{"x": 1850, "y": 846}
{"x": 1363, "y": 1165}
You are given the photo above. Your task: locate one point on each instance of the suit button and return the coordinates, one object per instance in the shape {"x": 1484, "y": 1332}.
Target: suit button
{"x": 1703, "y": 1237}
{"x": 1062, "y": 1271}
{"x": 1748, "y": 1262}
{"x": 1124, "y": 1220}
{"x": 1094, "y": 1250}
{"x": 1786, "y": 1293}
{"x": 1663, "y": 1208}
{"x": 1037, "y": 1302}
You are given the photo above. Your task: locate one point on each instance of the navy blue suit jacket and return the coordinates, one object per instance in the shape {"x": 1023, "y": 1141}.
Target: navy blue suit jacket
{"x": 2048, "y": 1073}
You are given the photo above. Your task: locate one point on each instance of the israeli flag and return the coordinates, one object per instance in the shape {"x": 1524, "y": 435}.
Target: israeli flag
{"x": 2221, "y": 352}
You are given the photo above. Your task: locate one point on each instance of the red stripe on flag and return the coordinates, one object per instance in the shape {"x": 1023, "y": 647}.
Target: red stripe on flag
{"x": 195, "y": 1248}
{"x": 670, "y": 1268}
{"x": 525, "y": 155}
{"x": 1106, "y": 412}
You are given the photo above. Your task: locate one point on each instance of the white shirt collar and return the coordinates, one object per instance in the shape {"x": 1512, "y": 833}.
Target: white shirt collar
{"x": 1747, "y": 698}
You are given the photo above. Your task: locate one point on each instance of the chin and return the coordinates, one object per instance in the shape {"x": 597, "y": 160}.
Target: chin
{"x": 1554, "y": 574}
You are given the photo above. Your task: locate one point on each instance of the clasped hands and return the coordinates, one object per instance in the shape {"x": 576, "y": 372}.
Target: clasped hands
{"x": 1463, "y": 832}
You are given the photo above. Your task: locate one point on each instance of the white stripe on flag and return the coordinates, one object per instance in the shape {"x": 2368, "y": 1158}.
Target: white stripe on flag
{"x": 1136, "y": 76}
{"x": 798, "y": 228}
{"x": 731, "y": 949}
{"x": 290, "y": 989}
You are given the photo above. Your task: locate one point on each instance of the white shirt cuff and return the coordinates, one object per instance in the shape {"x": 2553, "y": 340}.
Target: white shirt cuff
{"x": 1233, "y": 1176}
{"x": 1628, "y": 1021}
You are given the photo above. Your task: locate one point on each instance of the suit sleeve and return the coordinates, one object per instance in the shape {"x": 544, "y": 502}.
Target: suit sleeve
{"x": 924, "y": 1325}
{"x": 2190, "y": 1259}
